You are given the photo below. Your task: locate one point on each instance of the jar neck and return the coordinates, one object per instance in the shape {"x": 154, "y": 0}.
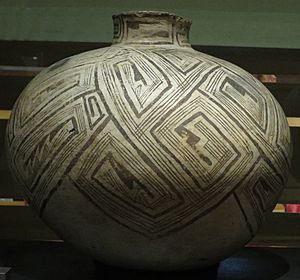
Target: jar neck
{"x": 155, "y": 28}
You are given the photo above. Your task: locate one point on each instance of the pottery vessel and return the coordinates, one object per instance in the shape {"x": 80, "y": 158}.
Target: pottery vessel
{"x": 148, "y": 154}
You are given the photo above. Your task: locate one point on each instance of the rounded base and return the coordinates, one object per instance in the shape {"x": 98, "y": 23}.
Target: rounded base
{"x": 201, "y": 244}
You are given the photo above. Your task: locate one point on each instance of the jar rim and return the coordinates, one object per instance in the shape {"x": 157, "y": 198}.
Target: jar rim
{"x": 152, "y": 14}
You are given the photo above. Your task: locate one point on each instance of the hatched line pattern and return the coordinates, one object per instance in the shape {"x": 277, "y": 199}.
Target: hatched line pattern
{"x": 155, "y": 137}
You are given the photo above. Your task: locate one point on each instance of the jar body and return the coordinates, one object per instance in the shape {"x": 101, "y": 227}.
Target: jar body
{"x": 153, "y": 157}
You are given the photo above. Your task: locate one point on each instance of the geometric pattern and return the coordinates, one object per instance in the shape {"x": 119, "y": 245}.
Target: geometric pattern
{"x": 154, "y": 137}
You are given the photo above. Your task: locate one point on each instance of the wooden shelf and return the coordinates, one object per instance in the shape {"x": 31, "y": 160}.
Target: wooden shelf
{"x": 13, "y": 203}
{"x": 287, "y": 79}
{"x": 5, "y": 114}
{"x": 294, "y": 122}
{"x": 19, "y": 71}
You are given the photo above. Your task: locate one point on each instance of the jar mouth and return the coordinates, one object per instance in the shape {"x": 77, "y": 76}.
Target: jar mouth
{"x": 138, "y": 14}
{"x": 151, "y": 27}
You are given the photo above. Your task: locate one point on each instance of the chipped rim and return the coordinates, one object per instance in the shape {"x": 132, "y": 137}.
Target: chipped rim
{"x": 140, "y": 14}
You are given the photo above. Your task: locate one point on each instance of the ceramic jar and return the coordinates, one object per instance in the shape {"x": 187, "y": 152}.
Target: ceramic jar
{"x": 149, "y": 154}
